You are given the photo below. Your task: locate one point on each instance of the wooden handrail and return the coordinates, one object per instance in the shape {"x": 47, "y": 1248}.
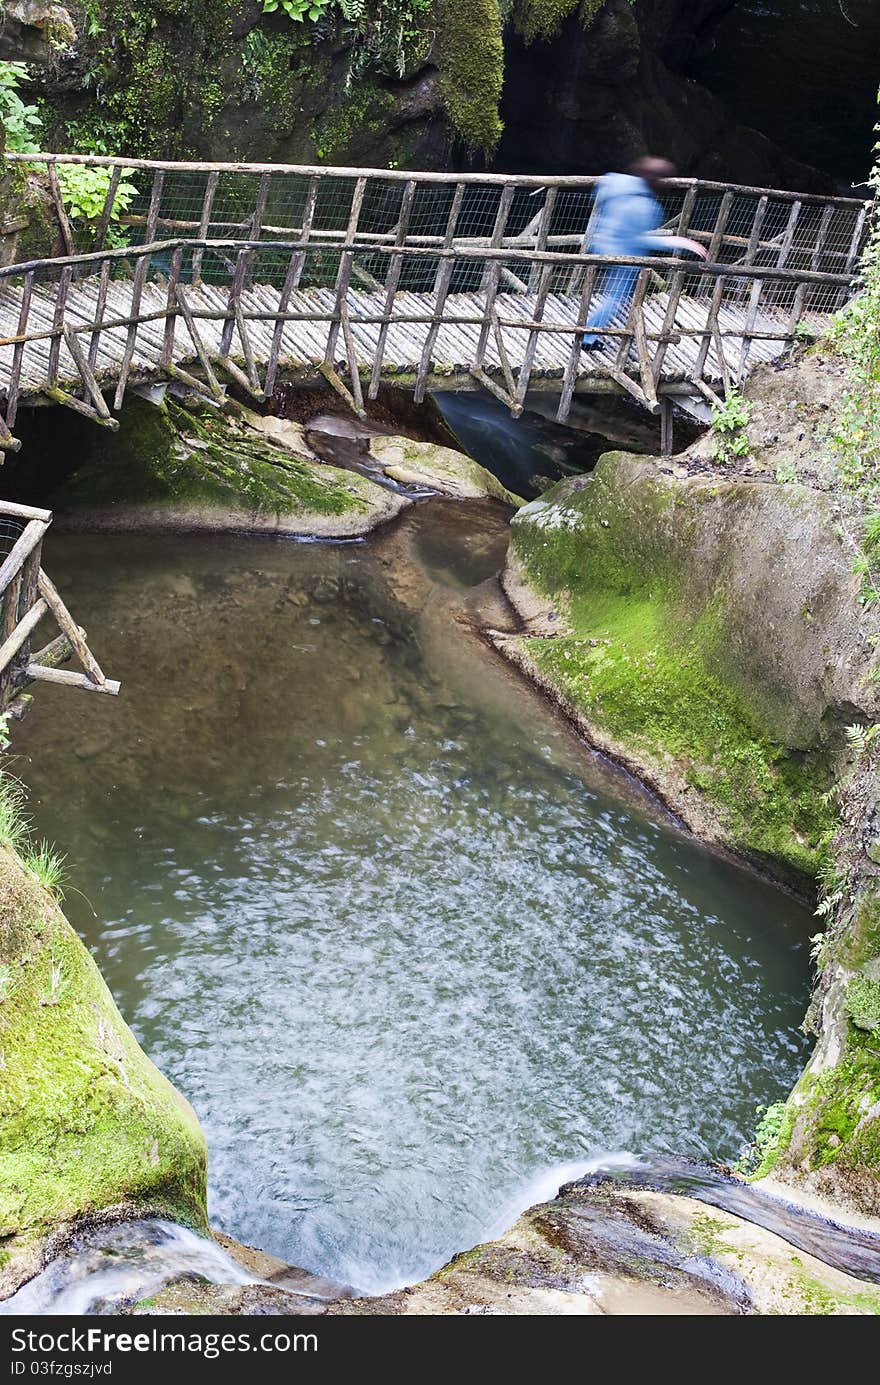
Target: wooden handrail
{"x": 399, "y": 175}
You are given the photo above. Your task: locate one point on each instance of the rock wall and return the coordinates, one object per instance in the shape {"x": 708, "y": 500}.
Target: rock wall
{"x": 711, "y": 636}
{"x": 581, "y": 87}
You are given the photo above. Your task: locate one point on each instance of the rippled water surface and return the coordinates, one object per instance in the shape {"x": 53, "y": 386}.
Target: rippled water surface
{"x": 400, "y": 940}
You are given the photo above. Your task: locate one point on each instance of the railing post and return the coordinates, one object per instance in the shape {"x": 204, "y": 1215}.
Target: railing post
{"x": 442, "y": 281}
{"x": 392, "y": 280}
{"x": 291, "y": 284}
{"x": 137, "y": 289}
{"x": 343, "y": 277}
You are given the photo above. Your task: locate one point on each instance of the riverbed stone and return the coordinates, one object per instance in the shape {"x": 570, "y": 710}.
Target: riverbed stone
{"x": 608, "y": 1250}
{"x": 441, "y": 468}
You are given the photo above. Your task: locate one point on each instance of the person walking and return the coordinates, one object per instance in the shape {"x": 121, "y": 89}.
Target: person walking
{"x": 627, "y": 223}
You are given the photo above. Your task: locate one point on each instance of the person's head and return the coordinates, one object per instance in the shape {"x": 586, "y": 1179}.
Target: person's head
{"x": 653, "y": 170}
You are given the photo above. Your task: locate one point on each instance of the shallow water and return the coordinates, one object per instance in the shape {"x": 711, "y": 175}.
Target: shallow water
{"x": 404, "y": 945}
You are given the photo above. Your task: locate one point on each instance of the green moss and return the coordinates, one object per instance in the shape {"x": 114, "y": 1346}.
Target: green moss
{"x": 168, "y": 456}
{"x": 817, "y": 1299}
{"x": 86, "y": 1121}
{"x": 860, "y": 941}
{"x": 862, "y": 1003}
{"x": 649, "y": 667}
{"x": 363, "y": 112}
{"x": 707, "y": 1234}
{"x": 542, "y": 19}
{"x": 470, "y": 56}
{"x": 835, "y": 1120}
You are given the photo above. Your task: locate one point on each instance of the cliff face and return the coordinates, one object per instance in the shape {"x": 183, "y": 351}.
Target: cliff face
{"x": 598, "y": 97}
{"x": 581, "y": 88}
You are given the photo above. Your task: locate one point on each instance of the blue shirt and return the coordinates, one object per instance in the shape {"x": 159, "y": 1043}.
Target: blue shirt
{"x": 627, "y": 217}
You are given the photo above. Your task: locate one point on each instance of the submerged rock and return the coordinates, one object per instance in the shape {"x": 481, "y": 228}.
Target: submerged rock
{"x": 89, "y": 1128}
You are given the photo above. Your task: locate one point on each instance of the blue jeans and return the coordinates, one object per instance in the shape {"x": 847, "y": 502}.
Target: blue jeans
{"x": 616, "y": 290}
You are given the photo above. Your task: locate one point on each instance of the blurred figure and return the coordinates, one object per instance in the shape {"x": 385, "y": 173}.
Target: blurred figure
{"x": 627, "y": 221}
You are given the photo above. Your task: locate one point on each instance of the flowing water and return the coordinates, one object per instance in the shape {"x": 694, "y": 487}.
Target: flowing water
{"x": 402, "y": 942}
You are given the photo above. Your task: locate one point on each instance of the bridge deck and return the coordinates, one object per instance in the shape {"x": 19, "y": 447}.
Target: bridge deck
{"x": 304, "y": 343}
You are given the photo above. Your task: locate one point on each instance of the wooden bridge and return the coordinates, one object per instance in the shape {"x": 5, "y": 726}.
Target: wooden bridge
{"x": 231, "y": 273}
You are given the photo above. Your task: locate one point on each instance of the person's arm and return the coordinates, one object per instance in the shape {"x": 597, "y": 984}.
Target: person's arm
{"x": 665, "y": 244}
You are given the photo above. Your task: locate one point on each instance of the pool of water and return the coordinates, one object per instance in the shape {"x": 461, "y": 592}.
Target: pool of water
{"x": 404, "y": 943}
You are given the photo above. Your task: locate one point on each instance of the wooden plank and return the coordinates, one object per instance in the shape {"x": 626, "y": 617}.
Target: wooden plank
{"x": 489, "y": 285}
{"x": 18, "y": 350}
{"x": 250, "y": 364}
{"x": 570, "y": 377}
{"x": 107, "y": 212}
{"x": 243, "y": 264}
{"x": 853, "y": 254}
{"x": 171, "y": 306}
{"x": 60, "y": 212}
{"x": 544, "y": 276}
{"x": 627, "y": 383}
{"x": 333, "y": 378}
{"x": 484, "y": 379}
{"x": 30, "y": 572}
{"x": 720, "y": 227}
{"x": 11, "y": 507}
{"x": 330, "y": 173}
{"x": 196, "y": 337}
{"x": 100, "y": 307}
{"x": 30, "y": 537}
{"x": 25, "y": 627}
{"x": 442, "y": 282}
{"x": 58, "y": 324}
{"x": 291, "y": 284}
{"x": 52, "y": 599}
{"x": 86, "y": 372}
{"x": 351, "y": 355}
{"x": 42, "y": 673}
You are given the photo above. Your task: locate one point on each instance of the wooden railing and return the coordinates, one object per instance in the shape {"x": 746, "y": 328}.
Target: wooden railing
{"x": 419, "y": 252}
{"x": 27, "y": 595}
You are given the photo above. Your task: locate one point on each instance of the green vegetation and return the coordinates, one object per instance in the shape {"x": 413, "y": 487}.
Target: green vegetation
{"x": 170, "y": 456}
{"x": 21, "y": 123}
{"x": 855, "y": 434}
{"x": 84, "y": 191}
{"x": 730, "y": 422}
{"x": 542, "y": 19}
{"x": 174, "y": 78}
{"x": 760, "y": 1157}
{"x": 87, "y": 1121}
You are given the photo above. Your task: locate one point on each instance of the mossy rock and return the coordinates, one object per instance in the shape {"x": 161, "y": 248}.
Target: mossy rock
{"x": 170, "y": 466}
{"x": 87, "y": 1122}
{"x": 686, "y": 649}
{"x": 444, "y": 469}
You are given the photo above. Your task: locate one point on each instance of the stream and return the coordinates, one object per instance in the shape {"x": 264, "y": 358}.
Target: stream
{"x": 411, "y": 951}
